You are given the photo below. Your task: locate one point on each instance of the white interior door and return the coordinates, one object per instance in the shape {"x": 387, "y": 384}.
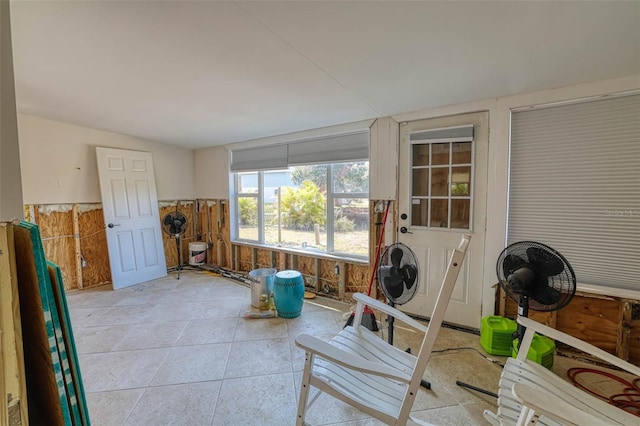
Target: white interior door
{"x": 130, "y": 206}
{"x": 442, "y": 195}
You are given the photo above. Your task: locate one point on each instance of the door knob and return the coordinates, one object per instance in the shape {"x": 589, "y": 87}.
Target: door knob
{"x": 111, "y": 225}
{"x": 404, "y": 230}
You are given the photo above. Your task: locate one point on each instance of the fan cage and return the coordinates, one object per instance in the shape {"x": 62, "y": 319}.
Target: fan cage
{"x": 408, "y": 258}
{"x": 564, "y": 282}
{"x": 168, "y": 223}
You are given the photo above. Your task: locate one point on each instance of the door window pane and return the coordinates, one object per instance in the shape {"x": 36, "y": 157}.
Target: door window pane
{"x": 439, "y": 182}
{"x": 419, "y": 212}
{"x": 439, "y": 154}
{"x": 461, "y": 181}
{"x": 439, "y": 213}
{"x": 420, "y": 182}
{"x": 461, "y": 153}
{"x": 460, "y": 213}
{"x": 420, "y": 154}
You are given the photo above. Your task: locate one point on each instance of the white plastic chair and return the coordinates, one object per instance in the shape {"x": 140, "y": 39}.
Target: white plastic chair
{"x": 529, "y": 394}
{"x": 361, "y": 369}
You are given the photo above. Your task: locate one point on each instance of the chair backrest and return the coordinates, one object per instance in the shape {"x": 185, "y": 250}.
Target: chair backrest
{"x": 448, "y": 283}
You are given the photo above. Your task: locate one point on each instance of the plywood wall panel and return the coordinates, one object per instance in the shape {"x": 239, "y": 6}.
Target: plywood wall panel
{"x": 169, "y": 241}
{"x": 93, "y": 247}
{"x": 245, "y": 258}
{"x": 224, "y": 231}
{"x": 327, "y": 270}
{"x": 56, "y": 230}
{"x": 264, "y": 259}
{"x": 634, "y": 340}
{"x": 591, "y": 319}
{"x": 204, "y": 229}
{"x": 357, "y": 278}
{"x": 307, "y": 267}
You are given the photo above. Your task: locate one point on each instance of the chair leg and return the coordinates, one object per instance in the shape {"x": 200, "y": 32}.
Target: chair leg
{"x": 304, "y": 389}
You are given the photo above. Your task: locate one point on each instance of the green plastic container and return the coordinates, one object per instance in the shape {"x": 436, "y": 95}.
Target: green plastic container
{"x": 541, "y": 351}
{"x": 496, "y": 335}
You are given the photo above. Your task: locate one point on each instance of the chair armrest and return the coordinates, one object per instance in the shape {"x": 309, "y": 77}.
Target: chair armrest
{"x": 363, "y": 300}
{"x": 554, "y": 408}
{"x": 576, "y": 343}
{"x": 338, "y": 356}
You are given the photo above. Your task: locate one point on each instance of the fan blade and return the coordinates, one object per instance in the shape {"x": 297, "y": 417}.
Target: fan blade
{"x": 393, "y": 284}
{"x": 409, "y": 274}
{"x": 511, "y": 264}
{"x": 543, "y": 293}
{"x": 168, "y": 220}
{"x": 544, "y": 261}
{"x": 396, "y": 257}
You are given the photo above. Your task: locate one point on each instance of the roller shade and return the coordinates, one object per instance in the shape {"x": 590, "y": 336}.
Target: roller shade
{"x": 449, "y": 134}
{"x": 330, "y": 149}
{"x": 575, "y": 185}
{"x": 259, "y": 158}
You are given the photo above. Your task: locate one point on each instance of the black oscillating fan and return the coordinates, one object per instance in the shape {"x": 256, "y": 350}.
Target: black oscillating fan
{"x": 398, "y": 274}
{"x": 398, "y": 279}
{"x": 175, "y": 224}
{"x": 537, "y": 277}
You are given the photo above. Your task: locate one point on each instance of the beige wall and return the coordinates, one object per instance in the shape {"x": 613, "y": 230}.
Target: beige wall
{"x": 10, "y": 185}
{"x": 212, "y": 172}
{"x": 59, "y": 162}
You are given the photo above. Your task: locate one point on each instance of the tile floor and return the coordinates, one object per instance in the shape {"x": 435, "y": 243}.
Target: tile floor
{"x": 180, "y": 352}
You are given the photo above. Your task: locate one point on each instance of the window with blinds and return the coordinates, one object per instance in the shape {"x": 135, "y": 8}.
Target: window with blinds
{"x": 575, "y": 185}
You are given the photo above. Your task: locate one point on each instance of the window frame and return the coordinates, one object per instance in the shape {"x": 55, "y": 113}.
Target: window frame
{"x": 331, "y": 196}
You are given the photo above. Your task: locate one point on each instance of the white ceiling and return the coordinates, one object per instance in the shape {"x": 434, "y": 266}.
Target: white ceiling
{"x": 203, "y": 73}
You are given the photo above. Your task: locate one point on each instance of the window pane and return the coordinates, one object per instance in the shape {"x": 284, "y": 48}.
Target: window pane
{"x": 439, "y": 181}
{"x": 462, "y": 153}
{"x": 350, "y": 177}
{"x": 461, "y": 181}
{"x": 274, "y": 182}
{"x": 316, "y": 174}
{"x": 248, "y": 218}
{"x": 439, "y": 154}
{"x": 439, "y": 213}
{"x": 420, "y": 156}
{"x": 419, "y": 212}
{"x": 420, "y": 185}
{"x": 247, "y": 182}
{"x": 303, "y": 211}
{"x": 460, "y": 213}
{"x": 351, "y": 226}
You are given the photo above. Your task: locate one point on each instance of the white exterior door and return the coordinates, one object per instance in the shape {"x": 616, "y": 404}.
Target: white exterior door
{"x": 130, "y": 206}
{"x": 442, "y": 195}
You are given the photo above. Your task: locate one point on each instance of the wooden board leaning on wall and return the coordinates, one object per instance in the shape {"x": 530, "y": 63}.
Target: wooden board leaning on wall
{"x": 610, "y": 323}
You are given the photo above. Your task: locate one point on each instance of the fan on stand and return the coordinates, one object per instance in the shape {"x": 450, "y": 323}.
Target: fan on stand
{"x": 537, "y": 277}
{"x": 398, "y": 279}
{"x": 175, "y": 224}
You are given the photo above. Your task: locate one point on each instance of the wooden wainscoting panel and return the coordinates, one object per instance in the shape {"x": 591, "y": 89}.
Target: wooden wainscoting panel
{"x": 93, "y": 246}
{"x": 357, "y": 278}
{"x": 592, "y": 319}
{"x": 56, "y": 230}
